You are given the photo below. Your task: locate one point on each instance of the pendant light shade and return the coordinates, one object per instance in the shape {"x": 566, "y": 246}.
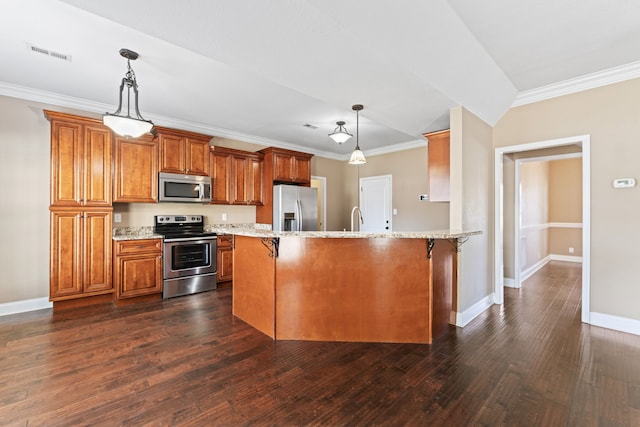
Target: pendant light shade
{"x": 357, "y": 157}
{"x": 127, "y": 125}
{"x": 340, "y": 134}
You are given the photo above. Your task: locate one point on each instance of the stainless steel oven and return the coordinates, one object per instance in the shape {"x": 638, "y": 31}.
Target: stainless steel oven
{"x": 189, "y": 255}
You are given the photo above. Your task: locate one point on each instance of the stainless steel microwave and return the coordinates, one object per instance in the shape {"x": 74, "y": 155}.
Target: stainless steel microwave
{"x": 174, "y": 187}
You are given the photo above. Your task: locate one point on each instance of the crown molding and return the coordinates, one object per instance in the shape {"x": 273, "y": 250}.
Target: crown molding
{"x": 589, "y": 81}
{"x": 416, "y": 143}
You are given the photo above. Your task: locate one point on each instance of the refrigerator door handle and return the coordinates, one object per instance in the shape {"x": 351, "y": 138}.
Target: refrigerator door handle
{"x": 299, "y": 206}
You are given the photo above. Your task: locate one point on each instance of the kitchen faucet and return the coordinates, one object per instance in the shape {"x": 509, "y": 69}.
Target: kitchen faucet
{"x": 356, "y": 208}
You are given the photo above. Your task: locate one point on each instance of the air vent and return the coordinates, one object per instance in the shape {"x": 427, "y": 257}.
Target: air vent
{"x": 310, "y": 126}
{"x": 47, "y": 52}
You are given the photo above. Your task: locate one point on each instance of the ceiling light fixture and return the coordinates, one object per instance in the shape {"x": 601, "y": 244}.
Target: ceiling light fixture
{"x": 126, "y": 125}
{"x": 357, "y": 157}
{"x": 340, "y": 134}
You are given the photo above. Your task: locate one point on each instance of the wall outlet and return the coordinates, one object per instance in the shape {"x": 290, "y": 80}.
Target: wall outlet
{"x": 395, "y": 211}
{"x": 224, "y": 216}
{"x": 570, "y": 250}
{"x": 117, "y": 217}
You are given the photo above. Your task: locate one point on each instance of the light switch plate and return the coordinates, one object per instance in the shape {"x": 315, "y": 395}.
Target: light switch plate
{"x": 117, "y": 217}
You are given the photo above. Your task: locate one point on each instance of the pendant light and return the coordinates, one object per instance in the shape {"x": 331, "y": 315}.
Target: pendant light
{"x": 126, "y": 125}
{"x": 340, "y": 134}
{"x": 357, "y": 157}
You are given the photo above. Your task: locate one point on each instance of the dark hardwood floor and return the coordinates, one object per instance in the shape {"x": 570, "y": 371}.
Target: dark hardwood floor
{"x": 187, "y": 361}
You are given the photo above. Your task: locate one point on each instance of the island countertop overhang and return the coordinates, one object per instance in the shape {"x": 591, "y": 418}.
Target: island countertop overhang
{"x": 435, "y": 234}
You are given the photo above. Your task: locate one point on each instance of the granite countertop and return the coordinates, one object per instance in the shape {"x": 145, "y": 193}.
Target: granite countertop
{"x": 146, "y": 232}
{"x": 436, "y": 234}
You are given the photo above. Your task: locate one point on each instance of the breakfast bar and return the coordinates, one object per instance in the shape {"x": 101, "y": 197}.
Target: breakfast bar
{"x": 346, "y": 286}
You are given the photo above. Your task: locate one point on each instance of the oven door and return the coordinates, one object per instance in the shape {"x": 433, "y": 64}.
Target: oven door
{"x": 189, "y": 257}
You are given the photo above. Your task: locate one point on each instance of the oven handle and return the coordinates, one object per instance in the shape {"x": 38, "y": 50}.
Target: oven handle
{"x": 190, "y": 239}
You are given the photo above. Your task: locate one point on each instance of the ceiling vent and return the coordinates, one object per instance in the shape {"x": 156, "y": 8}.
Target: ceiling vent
{"x": 48, "y": 52}
{"x": 310, "y": 126}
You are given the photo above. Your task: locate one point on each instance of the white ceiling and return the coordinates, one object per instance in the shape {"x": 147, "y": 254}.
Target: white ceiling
{"x": 258, "y": 70}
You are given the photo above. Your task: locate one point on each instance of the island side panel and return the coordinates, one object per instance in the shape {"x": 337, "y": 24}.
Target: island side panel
{"x": 371, "y": 290}
{"x": 253, "y": 284}
{"x": 443, "y": 258}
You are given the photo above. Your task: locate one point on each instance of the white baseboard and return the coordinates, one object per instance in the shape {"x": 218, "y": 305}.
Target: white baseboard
{"x": 15, "y": 307}
{"x": 509, "y": 282}
{"x": 535, "y": 267}
{"x": 472, "y": 312}
{"x": 622, "y": 324}
{"x": 567, "y": 258}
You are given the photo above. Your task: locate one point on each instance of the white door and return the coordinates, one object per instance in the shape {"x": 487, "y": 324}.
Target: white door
{"x": 375, "y": 203}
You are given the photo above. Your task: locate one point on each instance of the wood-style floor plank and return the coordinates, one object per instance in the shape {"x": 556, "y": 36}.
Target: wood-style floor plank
{"x": 188, "y": 361}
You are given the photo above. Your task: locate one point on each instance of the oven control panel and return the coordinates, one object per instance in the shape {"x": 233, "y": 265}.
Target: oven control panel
{"x": 178, "y": 219}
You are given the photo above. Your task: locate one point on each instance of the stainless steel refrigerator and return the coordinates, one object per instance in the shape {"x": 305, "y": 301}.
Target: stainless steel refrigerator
{"x": 295, "y": 208}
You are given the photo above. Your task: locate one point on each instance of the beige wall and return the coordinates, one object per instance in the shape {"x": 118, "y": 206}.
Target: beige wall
{"x": 471, "y": 204}
{"x": 409, "y": 171}
{"x": 534, "y": 209}
{"x": 565, "y": 206}
{"x": 610, "y": 115}
{"x": 24, "y": 201}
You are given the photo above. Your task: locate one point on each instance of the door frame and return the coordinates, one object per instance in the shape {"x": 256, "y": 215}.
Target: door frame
{"x": 323, "y": 197}
{"x": 583, "y": 141}
{"x": 389, "y": 177}
{"x": 517, "y": 273}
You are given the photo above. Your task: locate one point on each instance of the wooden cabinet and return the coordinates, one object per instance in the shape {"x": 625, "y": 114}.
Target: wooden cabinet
{"x": 281, "y": 167}
{"x": 438, "y": 167}
{"x": 225, "y": 259}
{"x": 136, "y": 170}
{"x": 80, "y": 253}
{"x": 137, "y": 267}
{"x": 236, "y": 176}
{"x": 183, "y": 152}
{"x": 80, "y": 161}
{"x": 290, "y": 167}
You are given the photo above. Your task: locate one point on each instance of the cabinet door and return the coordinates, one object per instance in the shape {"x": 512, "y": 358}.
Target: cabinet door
{"x": 66, "y": 163}
{"x": 138, "y": 275}
{"x": 221, "y": 179}
{"x": 225, "y": 264}
{"x": 282, "y": 167}
{"x": 96, "y": 265}
{"x": 240, "y": 175}
{"x": 136, "y": 170}
{"x": 172, "y": 153}
{"x": 302, "y": 169}
{"x": 255, "y": 167}
{"x": 97, "y": 166}
{"x": 66, "y": 254}
{"x": 197, "y": 157}
{"x": 438, "y": 166}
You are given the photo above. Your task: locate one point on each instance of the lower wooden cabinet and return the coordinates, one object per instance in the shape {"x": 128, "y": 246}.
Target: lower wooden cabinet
{"x": 225, "y": 259}
{"x": 80, "y": 263}
{"x": 137, "y": 267}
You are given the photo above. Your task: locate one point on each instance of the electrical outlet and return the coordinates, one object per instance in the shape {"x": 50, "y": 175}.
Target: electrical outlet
{"x": 224, "y": 216}
{"x": 117, "y": 217}
{"x": 570, "y": 250}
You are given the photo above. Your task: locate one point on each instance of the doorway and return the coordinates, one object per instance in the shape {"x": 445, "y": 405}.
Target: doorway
{"x": 583, "y": 141}
{"x": 375, "y": 203}
{"x": 320, "y": 183}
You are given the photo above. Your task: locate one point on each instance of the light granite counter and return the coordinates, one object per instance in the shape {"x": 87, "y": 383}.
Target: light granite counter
{"x": 436, "y": 234}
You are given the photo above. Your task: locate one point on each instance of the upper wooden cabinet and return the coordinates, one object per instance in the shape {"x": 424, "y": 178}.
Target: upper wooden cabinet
{"x": 80, "y": 161}
{"x": 236, "y": 176}
{"x": 281, "y": 167}
{"x": 438, "y": 167}
{"x": 183, "y": 152}
{"x": 136, "y": 170}
{"x": 291, "y": 167}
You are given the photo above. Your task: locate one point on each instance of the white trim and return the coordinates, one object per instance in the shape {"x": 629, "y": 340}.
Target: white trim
{"x": 463, "y": 319}
{"x": 509, "y": 282}
{"x": 323, "y": 179}
{"x": 565, "y": 258}
{"x": 565, "y": 225}
{"x": 622, "y": 324}
{"x": 23, "y": 306}
{"x": 534, "y": 268}
{"x": 590, "y": 81}
{"x": 417, "y": 143}
{"x": 498, "y": 251}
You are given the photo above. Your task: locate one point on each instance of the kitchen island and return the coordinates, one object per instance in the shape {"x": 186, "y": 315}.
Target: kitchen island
{"x": 346, "y": 286}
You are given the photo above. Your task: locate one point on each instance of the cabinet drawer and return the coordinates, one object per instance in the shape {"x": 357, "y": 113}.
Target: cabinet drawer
{"x": 124, "y": 247}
